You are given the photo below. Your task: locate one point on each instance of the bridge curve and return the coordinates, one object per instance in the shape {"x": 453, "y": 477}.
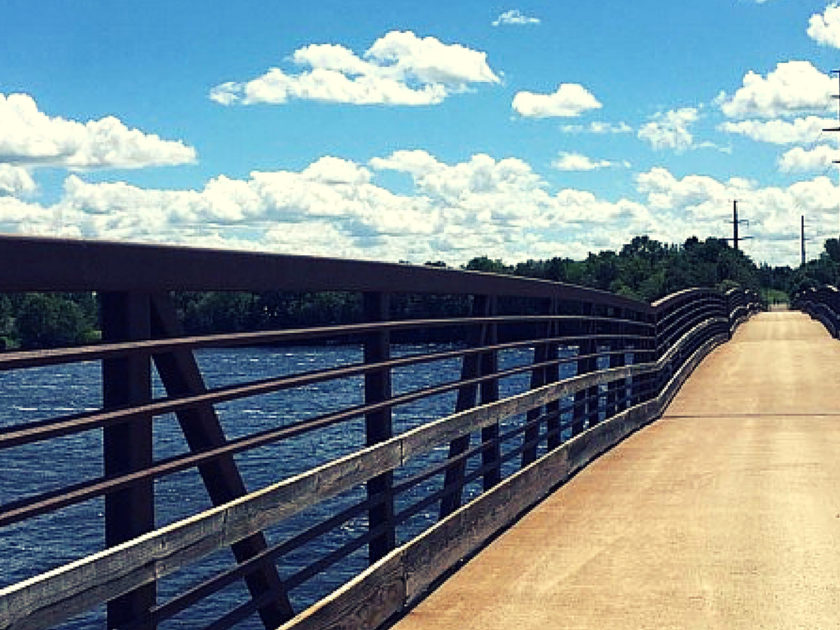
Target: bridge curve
{"x": 723, "y": 513}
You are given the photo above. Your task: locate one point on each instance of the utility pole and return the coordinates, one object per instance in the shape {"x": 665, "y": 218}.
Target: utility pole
{"x": 735, "y": 223}
{"x": 802, "y": 239}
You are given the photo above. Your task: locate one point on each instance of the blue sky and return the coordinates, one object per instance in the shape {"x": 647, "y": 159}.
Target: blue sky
{"x": 417, "y": 131}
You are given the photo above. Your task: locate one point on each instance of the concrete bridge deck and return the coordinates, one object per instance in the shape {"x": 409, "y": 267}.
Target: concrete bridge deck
{"x": 725, "y": 513}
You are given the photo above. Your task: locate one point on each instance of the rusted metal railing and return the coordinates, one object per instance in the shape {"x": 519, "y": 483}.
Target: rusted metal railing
{"x": 547, "y": 376}
{"x": 823, "y": 304}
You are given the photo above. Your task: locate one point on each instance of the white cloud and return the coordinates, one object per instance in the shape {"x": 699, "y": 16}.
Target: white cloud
{"x": 514, "y": 17}
{"x": 334, "y": 207}
{"x": 32, "y": 138}
{"x": 599, "y": 128}
{"x": 453, "y": 211}
{"x": 670, "y": 130}
{"x": 579, "y": 162}
{"x": 799, "y": 130}
{"x": 697, "y": 195}
{"x": 800, "y": 159}
{"x": 793, "y": 88}
{"x": 569, "y": 100}
{"x": 398, "y": 69}
{"x": 701, "y": 205}
{"x": 825, "y": 28}
{"x": 15, "y": 180}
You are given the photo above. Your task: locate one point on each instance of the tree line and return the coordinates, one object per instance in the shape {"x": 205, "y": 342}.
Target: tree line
{"x": 644, "y": 269}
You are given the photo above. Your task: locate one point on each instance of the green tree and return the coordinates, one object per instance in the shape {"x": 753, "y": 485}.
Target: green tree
{"x": 47, "y": 320}
{"x": 483, "y": 263}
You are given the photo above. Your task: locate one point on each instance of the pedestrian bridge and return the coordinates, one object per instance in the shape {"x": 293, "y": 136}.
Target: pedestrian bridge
{"x": 456, "y": 450}
{"x": 724, "y": 513}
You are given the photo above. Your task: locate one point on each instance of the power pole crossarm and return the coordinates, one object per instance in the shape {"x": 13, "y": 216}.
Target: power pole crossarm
{"x": 736, "y": 238}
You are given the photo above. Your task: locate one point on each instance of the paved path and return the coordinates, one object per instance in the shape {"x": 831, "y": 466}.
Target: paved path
{"x": 723, "y": 514}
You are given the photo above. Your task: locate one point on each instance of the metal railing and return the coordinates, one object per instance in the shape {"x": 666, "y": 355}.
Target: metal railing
{"x": 821, "y": 303}
{"x": 387, "y": 446}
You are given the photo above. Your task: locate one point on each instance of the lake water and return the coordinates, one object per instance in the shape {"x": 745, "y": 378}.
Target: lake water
{"x": 31, "y": 547}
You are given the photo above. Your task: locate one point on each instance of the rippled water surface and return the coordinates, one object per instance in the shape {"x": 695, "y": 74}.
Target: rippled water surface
{"x": 48, "y": 541}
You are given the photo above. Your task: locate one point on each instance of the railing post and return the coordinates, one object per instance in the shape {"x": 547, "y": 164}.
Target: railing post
{"x": 728, "y": 302}
{"x": 664, "y": 374}
{"x": 127, "y": 446}
{"x": 593, "y": 395}
{"x": 614, "y": 388}
{"x": 378, "y": 425}
{"x": 470, "y": 369}
{"x": 552, "y": 375}
{"x": 643, "y": 390}
{"x": 489, "y": 392}
{"x": 538, "y": 379}
{"x": 581, "y": 409}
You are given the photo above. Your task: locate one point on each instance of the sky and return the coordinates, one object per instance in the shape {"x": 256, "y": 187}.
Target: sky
{"x": 421, "y": 131}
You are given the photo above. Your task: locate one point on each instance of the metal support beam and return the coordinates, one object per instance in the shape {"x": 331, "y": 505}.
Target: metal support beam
{"x": 378, "y": 425}
{"x": 470, "y": 369}
{"x": 552, "y": 375}
{"x": 127, "y": 447}
{"x": 181, "y": 376}
{"x": 489, "y": 392}
{"x": 581, "y": 411}
{"x": 538, "y": 379}
{"x": 617, "y": 390}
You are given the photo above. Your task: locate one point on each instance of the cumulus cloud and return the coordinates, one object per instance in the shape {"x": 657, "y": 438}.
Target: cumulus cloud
{"x": 569, "y": 100}
{"x": 824, "y": 28}
{"x": 599, "y": 128}
{"x": 702, "y": 205}
{"x": 800, "y": 159}
{"x": 793, "y": 88}
{"x": 579, "y": 162}
{"x": 400, "y": 68}
{"x": 671, "y": 129}
{"x": 799, "y": 130}
{"x": 514, "y": 17}
{"x": 451, "y": 211}
{"x": 335, "y": 207}
{"x": 33, "y": 138}
{"x": 15, "y": 180}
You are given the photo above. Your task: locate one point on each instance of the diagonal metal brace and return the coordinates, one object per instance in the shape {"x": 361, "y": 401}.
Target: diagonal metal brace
{"x": 180, "y": 375}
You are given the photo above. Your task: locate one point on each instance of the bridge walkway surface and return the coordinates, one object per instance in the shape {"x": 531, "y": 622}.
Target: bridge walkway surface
{"x": 725, "y": 513}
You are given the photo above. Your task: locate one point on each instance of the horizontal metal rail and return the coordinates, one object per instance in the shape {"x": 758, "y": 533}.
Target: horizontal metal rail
{"x": 41, "y": 358}
{"x": 823, "y": 304}
{"x": 45, "y": 264}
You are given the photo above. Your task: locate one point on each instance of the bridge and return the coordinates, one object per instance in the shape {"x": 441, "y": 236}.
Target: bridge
{"x": 546, "y": 452}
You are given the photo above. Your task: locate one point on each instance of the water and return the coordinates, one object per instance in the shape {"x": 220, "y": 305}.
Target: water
{"x": 34, "y": 546}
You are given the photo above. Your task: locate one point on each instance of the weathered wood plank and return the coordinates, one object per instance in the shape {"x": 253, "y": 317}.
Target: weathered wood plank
{"x": 364, "y": 602}
{"x": 63, "y": 592}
